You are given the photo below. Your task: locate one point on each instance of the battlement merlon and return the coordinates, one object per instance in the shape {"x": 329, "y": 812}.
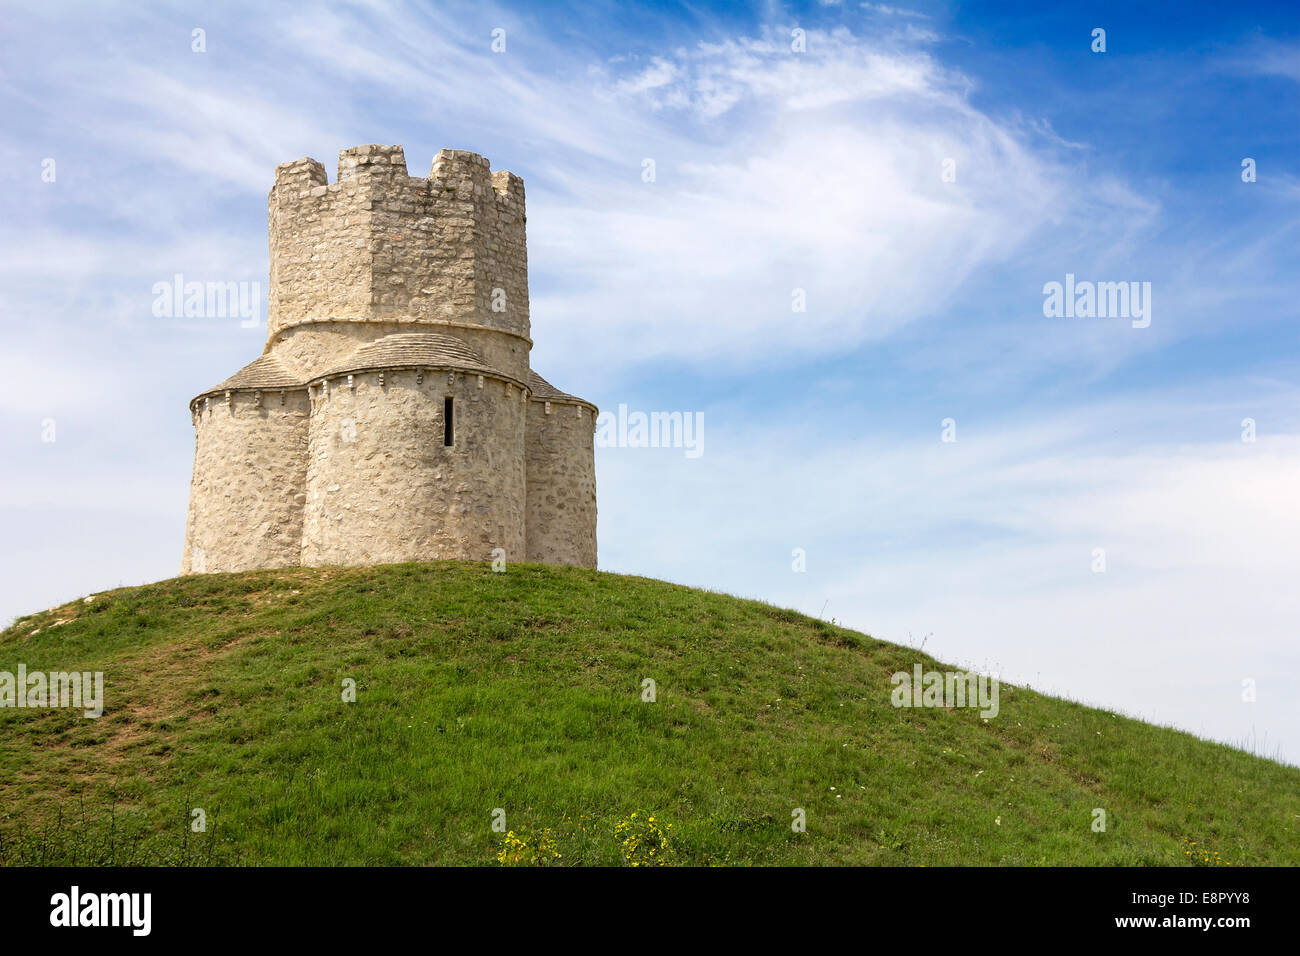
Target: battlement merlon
{"x": 374, "y": 164}
{"x": 379, "y": 245}
{"x": 452, "y": 170}
{"x": 304, "y": 173}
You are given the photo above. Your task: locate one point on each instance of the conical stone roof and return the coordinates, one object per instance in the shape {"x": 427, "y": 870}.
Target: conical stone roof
{"x": 544, "y": 391}
{"x": 266, "y": 373}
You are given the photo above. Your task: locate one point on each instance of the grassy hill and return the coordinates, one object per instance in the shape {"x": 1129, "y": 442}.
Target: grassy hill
{"x": 523, "y": 691}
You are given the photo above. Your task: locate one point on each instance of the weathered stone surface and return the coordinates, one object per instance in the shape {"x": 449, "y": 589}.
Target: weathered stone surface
{"x": 390, "y": 294}
{"x": 561, "y": 519}
{"x": 247, "y": 493}
{"x": 383, "y": 487}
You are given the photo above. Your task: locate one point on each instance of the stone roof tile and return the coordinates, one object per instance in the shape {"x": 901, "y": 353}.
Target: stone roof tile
{"x": 266, "y": 373}
{"x": 414, "y": 350}
{"x": 544, "y": 391}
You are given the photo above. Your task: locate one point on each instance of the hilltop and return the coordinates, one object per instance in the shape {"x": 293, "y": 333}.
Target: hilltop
{"x": 524, "y": 691}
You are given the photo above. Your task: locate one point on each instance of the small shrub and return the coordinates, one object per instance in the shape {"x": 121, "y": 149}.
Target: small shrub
{"x": 527, "y": 849}
{"x": 1198, "y": 854}
{"x": 643, "y": 840}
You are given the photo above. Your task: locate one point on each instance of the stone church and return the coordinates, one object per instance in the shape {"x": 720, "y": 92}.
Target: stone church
{"x": 393, "y": 414}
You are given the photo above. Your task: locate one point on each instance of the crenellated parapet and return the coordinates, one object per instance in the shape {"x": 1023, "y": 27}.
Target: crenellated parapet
{"x": 381, "y": 246}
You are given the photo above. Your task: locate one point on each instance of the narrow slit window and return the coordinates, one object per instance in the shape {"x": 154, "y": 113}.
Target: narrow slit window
{"x": 448, "y": 422}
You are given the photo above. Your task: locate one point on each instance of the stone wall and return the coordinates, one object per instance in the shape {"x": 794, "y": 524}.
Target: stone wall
{"x": 320, "y": 263}
{"x": 561, "y": 464}
{"x": 247, "y": 493}
{"x": 381, "y": 485}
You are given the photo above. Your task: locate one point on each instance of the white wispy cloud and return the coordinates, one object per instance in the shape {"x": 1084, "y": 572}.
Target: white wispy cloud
{"x": 891, "y": 11}
{"x": 776, "y": 171}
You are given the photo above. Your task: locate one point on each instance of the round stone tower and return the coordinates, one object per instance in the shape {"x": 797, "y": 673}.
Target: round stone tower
{"x": 561, "y": 521}
{"x": 393, "y": 415}
{"x": 250, "y": 467}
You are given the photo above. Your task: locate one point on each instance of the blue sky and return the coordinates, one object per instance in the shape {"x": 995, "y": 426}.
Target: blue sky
{"x": 775, "y": 171}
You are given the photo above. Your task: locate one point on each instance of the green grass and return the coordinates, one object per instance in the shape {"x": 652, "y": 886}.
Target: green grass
{"x": 522, "y": 691}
